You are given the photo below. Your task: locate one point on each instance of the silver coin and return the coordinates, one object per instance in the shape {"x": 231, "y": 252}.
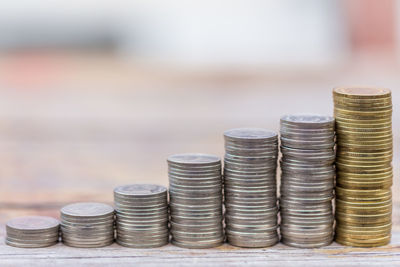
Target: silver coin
{"x": 87, "y": 209}
{"x": 308, "y": 120}
{"x": 32, "y": 231}
{"x": 140, "y": 190}
{"x": 193, "y": 159}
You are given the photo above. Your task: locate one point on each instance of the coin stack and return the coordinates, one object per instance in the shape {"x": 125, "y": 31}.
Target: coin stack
{"x": 87, "y": 225}
{"x": 195, "y": 200}
{"x": 364, "y": 169}
{"x": 32, "y": 232}
{"x": 250, "y": 187}
{"x": 307, "y": 182}
{"x": 141, "y": 215}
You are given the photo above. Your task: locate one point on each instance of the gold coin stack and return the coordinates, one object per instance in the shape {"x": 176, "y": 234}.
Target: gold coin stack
{"x": 363, "y": 166}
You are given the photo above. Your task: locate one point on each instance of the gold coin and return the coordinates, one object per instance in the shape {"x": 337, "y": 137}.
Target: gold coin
{"x": 349, "y": 177}
{"x": 363, "y": 184}
{"x": 363, "y": 236}
{"x": 340, "y": 117}
{"x": 371, "y": 120}
{"x": 359, "y": 170}
{"x": 363, "y": 140}
{"x": 364, "y": 161}
{"x": 364, "y": 198}
{"x": 366, "y": 147}
{"x": 387, "y": 172}
{"x": 352, "y": 167}
{"x": 372, "y": 155}
{"x": 351, "y": 243}
{"x": 366, "y": 144}
{"x": 361, "y": 106}
{"x": 368, "y": 107}
{"x": 362, "y": 218}
{"x": 356, "y": 113}
{"x": 354, "y": 194}
{"x": 341, "y": 127}
{"x": 366, "y": 186}
{"x": 366, "y": 179}
{"x": 363, "y": 239}
{"x": 363, "y": 124}
{"x": 362, "y": 92}
{"x": 365, "y": 204}
{"x": 365, "y": 228}
{"x": 368, "y": 225}
{"x": 347, "y": 231}
{"x": 362, "y": 102}
{"x": 363, "y": 211}
{"x": 364, "y": 135}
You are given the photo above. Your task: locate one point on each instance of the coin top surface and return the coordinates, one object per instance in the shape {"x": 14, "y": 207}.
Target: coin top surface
{"x": 307, "y": 118}
{"x": 362, "y": 91}
{"x": 250, "y": 133}
{"x": 33, "y": 223}
{"x": 140, "y": 189}
{"x": 87, "y": 209}
{"x": 193, "y": 158}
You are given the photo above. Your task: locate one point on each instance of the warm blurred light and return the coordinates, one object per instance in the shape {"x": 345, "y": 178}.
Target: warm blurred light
{"x": 371, "y": 24}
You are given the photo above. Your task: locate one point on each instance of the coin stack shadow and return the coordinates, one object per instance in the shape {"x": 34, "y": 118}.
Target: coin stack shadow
{"x": 250, "y": 187}
{"x": 87, "y": 225}
{"x": 307, "y": 182}
{"x": 195, "y": 190}
{"x": 364, "y": 169}
{"x": 141, "y": 215}
{"x": 32, "y": 232}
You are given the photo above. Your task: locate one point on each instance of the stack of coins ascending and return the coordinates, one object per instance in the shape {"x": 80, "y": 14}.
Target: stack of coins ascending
{"x": 141, "y": 215}
{"x": 307, "y": 183}
{"x": 87, "y": 225}
{"x": 250, "y": 187}
{"x": 32, "y": 232}
{"x": 364, "y": 170}
{"x": 195, "y": 200}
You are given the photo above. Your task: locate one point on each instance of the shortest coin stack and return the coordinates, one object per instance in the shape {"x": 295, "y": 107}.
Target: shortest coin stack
{"x": 32, "y": 232}
{"x": 87, "y": 225}
{"x": 141, "y": 215}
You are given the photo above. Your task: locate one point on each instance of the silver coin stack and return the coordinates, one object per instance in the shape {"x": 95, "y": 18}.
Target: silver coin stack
{"x": 195, "y": 200}
{"x": 87, "y": 225}
{"x": 32, "y": 232}
{"x": 250, "y": 187}
{"x": 307, "y": 183}
{"x": 141, "y": 215}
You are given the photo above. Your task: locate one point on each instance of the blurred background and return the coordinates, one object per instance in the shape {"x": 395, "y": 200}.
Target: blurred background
{"x": 95, "y": 94}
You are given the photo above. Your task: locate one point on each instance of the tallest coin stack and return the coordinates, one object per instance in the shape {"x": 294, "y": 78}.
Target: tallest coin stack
{"x": 363, "y": 162}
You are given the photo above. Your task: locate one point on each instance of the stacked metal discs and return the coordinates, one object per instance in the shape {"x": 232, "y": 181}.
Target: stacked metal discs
{"x": 141, "y": 215}
{"x": 250, "y": 187}
{"x": 307, "y": 182}
{"x": 32, "y": 232}
{"x": 87, "y": 225}
{"x": 195, "y": 200}
{"x": 364, "y": 169}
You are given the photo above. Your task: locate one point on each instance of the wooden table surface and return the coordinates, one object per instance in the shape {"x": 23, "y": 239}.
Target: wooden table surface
{"x": 74, "y": 127}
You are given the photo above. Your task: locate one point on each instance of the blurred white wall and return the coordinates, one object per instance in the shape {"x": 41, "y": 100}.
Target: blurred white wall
{"x": 218, "y": 32}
